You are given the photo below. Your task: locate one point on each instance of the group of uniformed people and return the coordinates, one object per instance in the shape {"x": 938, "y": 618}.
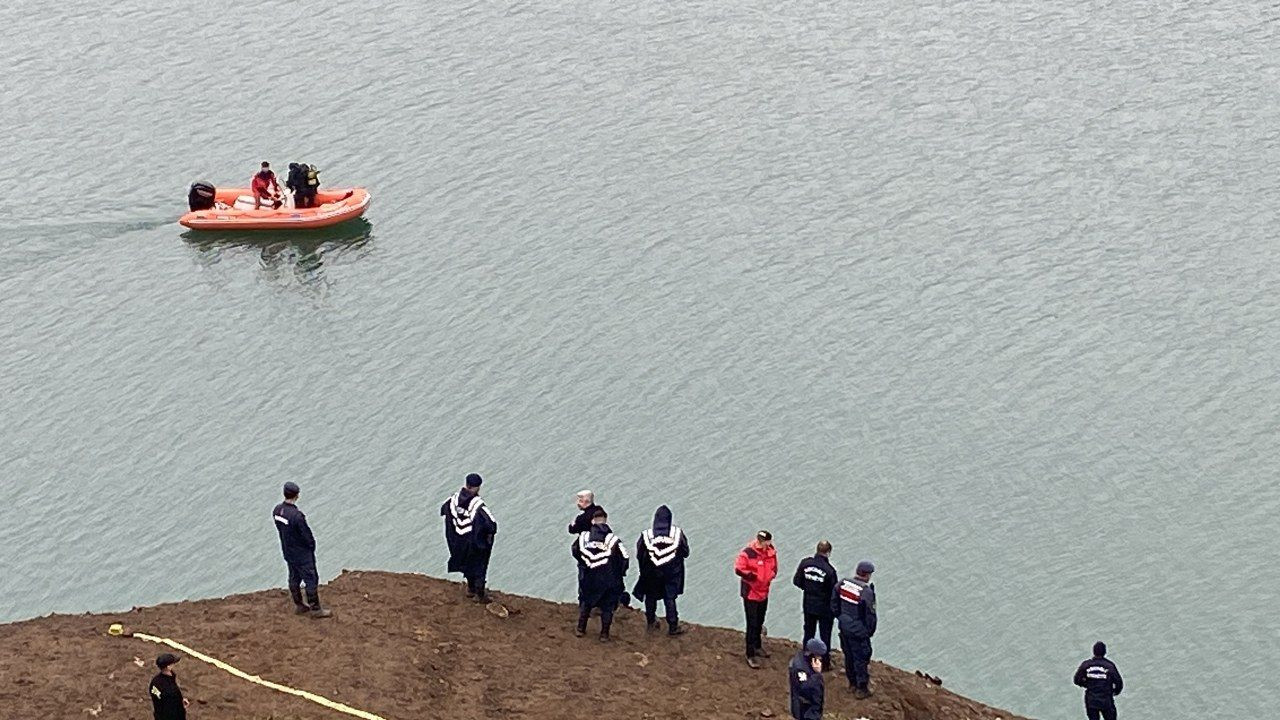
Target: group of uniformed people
{"x": 830, "y": 602}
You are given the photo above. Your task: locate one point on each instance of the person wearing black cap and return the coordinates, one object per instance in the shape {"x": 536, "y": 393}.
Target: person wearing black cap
{"x": 299, "y": 547}
{"x": 853, "y": 601}
{"x": 469, "y": 530}
{"x": 661, "y": 551}
{"x": 1101, "y": 682}
{"x": 817, "y": 578}
{"x": 166, "y": 698}
{"x": 805, "y": 674}
{"x": 602, "y": 565}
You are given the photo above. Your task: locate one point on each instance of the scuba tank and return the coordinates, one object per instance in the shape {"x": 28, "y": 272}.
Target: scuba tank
{"x": 312, "y": 175}
{"x": 201, "y": 196}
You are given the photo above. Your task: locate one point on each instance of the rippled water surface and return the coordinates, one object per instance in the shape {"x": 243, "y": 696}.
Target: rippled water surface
{"x": 985, "y": 291}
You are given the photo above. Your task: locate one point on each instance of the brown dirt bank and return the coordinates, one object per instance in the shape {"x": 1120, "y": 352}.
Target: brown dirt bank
{"x": 409, "y": 646}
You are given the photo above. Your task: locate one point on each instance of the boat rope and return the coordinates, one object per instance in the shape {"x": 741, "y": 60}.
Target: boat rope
{"x": 317, "y": 699}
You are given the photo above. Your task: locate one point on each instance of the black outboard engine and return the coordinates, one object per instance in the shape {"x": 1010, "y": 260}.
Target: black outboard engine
{"x": 201, "y": 196}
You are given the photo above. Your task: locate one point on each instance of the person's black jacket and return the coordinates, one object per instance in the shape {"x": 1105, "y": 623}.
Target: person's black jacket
{"x": 817, "y": 578}
{"x": 660, "y": 553}
{"x": 1101, "y": 682}
{"x": 602, "y": 565}
{"x": 469, "y": 529}
{"x": 807, "y": 690}
{"x": 853, "y": 601}
{"x": 296, "y": 180}
{"x": 582, "y": 523}
{"x": 166, "y": 698}
{"x": 296, "y": 541}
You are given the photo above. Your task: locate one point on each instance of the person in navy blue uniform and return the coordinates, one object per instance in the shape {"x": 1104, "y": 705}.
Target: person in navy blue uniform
{"x": 805, "y": 674}
{"x": 817, "y": 578}
{"x": 586, "y": 509}
{"x": 660, "y": 552}
{"x": 1101, "y": 682}
{"x": 469, "y": 530}
{"x": 853, "y": 600}
{"x": 299, "y": 547}
{"x": 602, "y": 566}
{"x": 167, "y": 702}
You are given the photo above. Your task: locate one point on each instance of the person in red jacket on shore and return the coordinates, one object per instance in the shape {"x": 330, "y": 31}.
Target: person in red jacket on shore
{"x": 265, "y": 187}
{"x": 757, "y": 566}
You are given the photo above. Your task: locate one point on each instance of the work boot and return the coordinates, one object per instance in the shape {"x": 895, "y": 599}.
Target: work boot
{"x": 301, "y": 609}
{"x": 580, "y": 630}
{"x": 652, "y": 624}
{"x": 753, "y": 663}
{"x": 604, "y": 636}
{"x": 482, "y": 596}
{"x": 675, "y": 628}
{"x": 762, "y": 652}
{"x": 861, "y": 693}
{"x": 319, "y": 613}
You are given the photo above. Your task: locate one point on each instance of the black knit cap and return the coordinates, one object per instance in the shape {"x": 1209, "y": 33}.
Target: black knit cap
{"x": 474, "y": 480}
{"x": 1099, "y": 649}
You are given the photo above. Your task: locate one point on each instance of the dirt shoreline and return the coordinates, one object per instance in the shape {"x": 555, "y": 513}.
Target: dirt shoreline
{"x": 407, "y": 646}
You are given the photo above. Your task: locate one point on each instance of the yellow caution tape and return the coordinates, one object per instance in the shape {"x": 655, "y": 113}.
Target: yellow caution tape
{"x": 317, "y": 699}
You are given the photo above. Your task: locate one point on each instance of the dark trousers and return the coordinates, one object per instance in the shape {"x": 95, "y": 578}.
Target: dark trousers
{"x": 1106, "y": 713}
{"x": 857, "y": 660}
{"x": 823, "y": 625}
{"x": 476, "y": 568}
{"x": 606, "y": 616}
{"x": 304, "y": 573}
{"x": 668, "y": 604}
{"x": 755, "y": 610}
{"x": 304, "y": 198}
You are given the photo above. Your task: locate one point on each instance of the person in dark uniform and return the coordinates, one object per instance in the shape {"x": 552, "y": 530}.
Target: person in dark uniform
{"x": 1101, "y": 682}
{"x": 299, "y": 547}
{"x": 853, "y": 601}
{"x": 586, "y": 510}
{"x": 817, "y": 578}
{"x": 661, "y": 551}
{"x": 295, "y": 183}
{"x": 469, "y": 530}
{"x": 805, "y": 674}
{"x": 166, "y": 698}
{"x": 602, "y": 565}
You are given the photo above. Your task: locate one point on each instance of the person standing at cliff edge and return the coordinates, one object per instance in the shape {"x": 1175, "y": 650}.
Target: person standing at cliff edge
{"x": 1101, "y": 682}
{"x": 757, "y": 566}
{"x": 661, "y": 551}
{"x": 166, "y": 699}
{"x": 586, "y": 510}
{"x": 808, "y": 693}
{"x": 469, "y": 529}
{"x": 602, "y": 565}
{"x": 817, "y": 578}
{"x": 299, "y": 547}
{"x": 854, "y": 603}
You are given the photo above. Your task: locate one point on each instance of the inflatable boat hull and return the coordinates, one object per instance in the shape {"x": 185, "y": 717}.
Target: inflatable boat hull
{"x": 234, "y": 211}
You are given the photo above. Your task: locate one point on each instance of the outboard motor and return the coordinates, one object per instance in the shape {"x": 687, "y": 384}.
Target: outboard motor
{"x": 201, "y": 196}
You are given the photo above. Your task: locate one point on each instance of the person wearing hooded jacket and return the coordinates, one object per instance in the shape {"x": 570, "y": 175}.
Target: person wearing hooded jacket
{"x": 805, "y": 674}
{"x": 757, "y": 566}
{"x": 602, "y": 567}
{"x": 854, "y": 602}
{"x": 1101, "y": 682}
{"x": 469, "y": 530}
{"x": 660, "y": 552}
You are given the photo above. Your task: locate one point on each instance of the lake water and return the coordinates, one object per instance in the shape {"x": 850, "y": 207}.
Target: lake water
{"x": 984, "y": 291}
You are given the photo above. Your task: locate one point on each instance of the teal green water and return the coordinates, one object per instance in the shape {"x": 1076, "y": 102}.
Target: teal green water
{"x": 982, "y": 291}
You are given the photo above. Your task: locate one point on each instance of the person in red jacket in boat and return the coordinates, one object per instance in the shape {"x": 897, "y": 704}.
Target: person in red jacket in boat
{"x": 265, "y": 187}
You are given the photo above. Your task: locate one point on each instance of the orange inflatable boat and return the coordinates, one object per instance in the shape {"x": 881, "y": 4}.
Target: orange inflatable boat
{"x": 233, "y": 210}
